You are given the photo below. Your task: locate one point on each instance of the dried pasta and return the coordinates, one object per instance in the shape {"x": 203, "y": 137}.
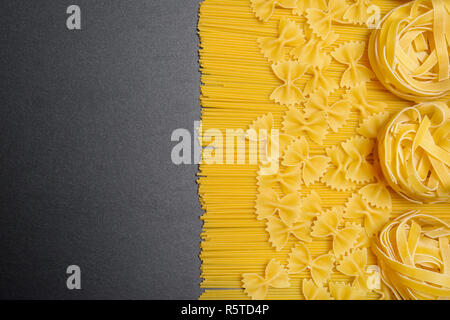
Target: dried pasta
{"x": 358, "y": 12}
{"x": 268, "y": 203}
{"x": 414, "y": 152}
{"x": 275, "y": 276}
{"x": 357, "y": 96}
{"x": 343, "y": 291}
{"x": 320, "y": 267}
{"x": 288, "y": 72}
{"x": 329, "y": 224}
{"x": 320, "y": 19}
{"x": 289, "y": 35}
{"x": 312, "y": 167}
{"x": 313, "y": 292}
{"x": 268, "y": 66}
{"x": 336, "y": 114}
{"x": 374, "y": 218}
{"x": 349, "y": 54}
{"x": 354, "y": 265}
{"x": 420, "y": 72}
{"x": 314, "y": 52}
{"x": 414, "y": 254}
{"x": 263, "y": 9}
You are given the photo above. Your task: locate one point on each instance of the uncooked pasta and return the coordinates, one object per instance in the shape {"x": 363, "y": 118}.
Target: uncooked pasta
{"x": 293, "y": 205}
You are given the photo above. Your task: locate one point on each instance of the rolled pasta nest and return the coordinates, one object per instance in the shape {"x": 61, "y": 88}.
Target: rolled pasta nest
{"x": 410, "y": 51}
{"x": 414, "y": 257}
{"x": 414, "y": 152}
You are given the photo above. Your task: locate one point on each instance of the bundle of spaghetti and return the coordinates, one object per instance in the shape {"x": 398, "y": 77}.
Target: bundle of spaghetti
{"x": 414, "y": 253}
{"x": 239, "y": 78}
{"x": 409, "y": 52}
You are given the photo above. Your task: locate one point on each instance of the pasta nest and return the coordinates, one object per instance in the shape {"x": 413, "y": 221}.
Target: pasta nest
{"x": 414, "y": 257}
{"x": 414, "y": 152}
{"x": 410, "y": 51}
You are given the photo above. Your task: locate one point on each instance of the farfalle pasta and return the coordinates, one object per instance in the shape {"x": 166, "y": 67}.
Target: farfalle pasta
{"x": 414, "y": 255}
{"x": 263, "y": 9}
{"x": 329, "y": 224}
{"x": 349, "y": 54}
{"x": 320, "y": 19}
{"x": 279, "y": 231}
{"x": 288, "y": 72}
{"x": 313, "y": 53}
{"x": 357, "y": 96}
{"x": 359, "y": 169}
{"x": 260, "y": 131}
{"x": 358, "y": 12}
{"x": 296, "y": 124}
{"x": 371, "y": 126}
{"x": 350, "y": 165}
{"x": 336, "y": 114}
{"x": 256, "y": 286}
{"x": 311, "y": 206}
{"x": 354, "y": 265}
{"x": 418, "y": 72}
{"x": 312, "y": 167}
{"x": 320, "y": 80}
{"x": 377, "y": 195}
{"x": 414, "y": 152}
{"x": 343, "y": 291}
{"x": 289, "y": 35}
{"x": 336, "y": 175}
{"x": 302, "y": 5}
{"x": 374, "y": 218}
{"x": 320, "y": 267}
{"x": 285, "y": 177}
{"x": 313, "y": 292}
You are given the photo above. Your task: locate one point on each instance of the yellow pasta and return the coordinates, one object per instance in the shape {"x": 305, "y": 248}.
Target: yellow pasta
{"x": 359, "y": 169}
{"x": 275, "y": 276}
{"x": 414, "y": 254}
{"x": 263, "y": 9}
{"x": 421, "y": 71}
{"x": 289, "y": 35}
{"x": 279, "y": 232}
{"x": 349, "y": 54}
{"x": 268, "y": 203}
{"x": 312, "y": 167}
{"x": 374, "y": 218}
{"x": 315, "y": 126}
{"x": 314, "y": 52}
{"x": 288, "y": 72}
{"x": 313, "y": 292}
{"x": 320, "y": 80}
{"x": 414, "y": 152}
{"x": 320, "y": 267}
{"x": 252, "y": 215}
{"x": 357, "y": 96}
{"x": 320, "y": 19}
{"x": 354, "y": 265}
{"x": 343, "y": 291}
{"x": 372, "y": 125}
{"x": 358, "y": 12}
{"x": 336, "y": 114}
{"x": 329, "y": 224}
{"x": 286, "y": 177}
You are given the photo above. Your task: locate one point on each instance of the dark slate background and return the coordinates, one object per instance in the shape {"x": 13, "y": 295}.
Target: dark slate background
{"x": 85, "y": 172}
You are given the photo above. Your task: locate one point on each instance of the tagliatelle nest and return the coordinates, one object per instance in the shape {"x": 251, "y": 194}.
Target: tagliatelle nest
{"x": 410, "y": 52}
{"x": 414, "y": 255}
{"x": 414, "y": 152}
